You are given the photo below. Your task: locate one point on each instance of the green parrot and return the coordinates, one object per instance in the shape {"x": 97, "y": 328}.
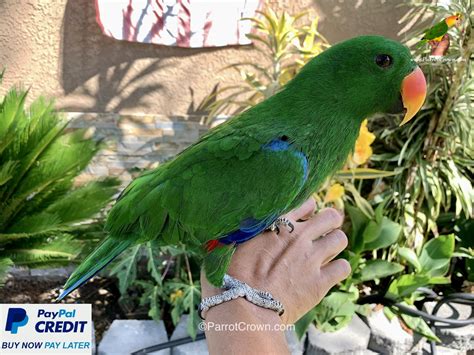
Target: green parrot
{"x": 437, "y": 32}
{"x": 241, "y": 176}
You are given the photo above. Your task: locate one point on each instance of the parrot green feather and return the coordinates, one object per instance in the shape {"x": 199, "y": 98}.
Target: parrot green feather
{"x": 228, "y": 176}
{"x": 108, "y": 250}
{"x": 438, "y": 30}
{"x": 217, "y": 262}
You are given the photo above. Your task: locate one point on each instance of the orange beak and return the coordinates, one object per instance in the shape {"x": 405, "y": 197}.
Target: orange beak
{"x": 413, "y": 93}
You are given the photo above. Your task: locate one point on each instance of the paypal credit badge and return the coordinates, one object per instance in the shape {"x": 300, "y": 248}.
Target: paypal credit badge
{"x": 45, "y": 329}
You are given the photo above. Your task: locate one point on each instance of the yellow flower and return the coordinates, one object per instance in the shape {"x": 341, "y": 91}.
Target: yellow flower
{"x": 362, "y": 149}
{"x": 175, "y": 295}
{"x": 334, "y": 193}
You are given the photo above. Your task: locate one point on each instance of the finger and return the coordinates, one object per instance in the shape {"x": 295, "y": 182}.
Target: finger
{"x": 327, "y": 247}
{"x": 305, "y": 211}
{"x": 333, "y": 273}
{"x": 322, "y": 223}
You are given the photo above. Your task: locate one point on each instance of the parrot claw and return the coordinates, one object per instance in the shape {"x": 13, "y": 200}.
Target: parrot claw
{"x": 275, "y": 226}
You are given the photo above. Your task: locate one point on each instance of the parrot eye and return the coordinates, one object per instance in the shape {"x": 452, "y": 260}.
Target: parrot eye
{"x": 383, "y": 60}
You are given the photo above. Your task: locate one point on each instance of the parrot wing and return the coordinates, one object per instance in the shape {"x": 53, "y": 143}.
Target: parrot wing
{"x": 231, "y": 184}
{"x": 221, "y": 185}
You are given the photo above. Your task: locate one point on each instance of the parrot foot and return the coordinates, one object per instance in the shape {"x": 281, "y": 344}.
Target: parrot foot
{"x": 275, "y": 226}
{"x": 235, "y": 289}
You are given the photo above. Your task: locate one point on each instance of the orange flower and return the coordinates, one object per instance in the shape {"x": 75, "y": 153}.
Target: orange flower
{"x": 334, "y": 193}
{"x": 362, "y": 149}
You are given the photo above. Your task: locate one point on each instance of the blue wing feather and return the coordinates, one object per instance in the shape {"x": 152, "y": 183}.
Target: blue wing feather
{"x": 251, "y": 227}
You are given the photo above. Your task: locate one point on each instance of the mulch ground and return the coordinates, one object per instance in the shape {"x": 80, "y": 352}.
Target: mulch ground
{"x": 100, "y": 292}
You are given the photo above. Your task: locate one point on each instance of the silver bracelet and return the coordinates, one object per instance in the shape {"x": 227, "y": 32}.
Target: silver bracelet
{"x": 234, "y": 289}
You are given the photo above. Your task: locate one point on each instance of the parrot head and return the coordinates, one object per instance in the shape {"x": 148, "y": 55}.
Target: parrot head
{"x": 454, "y": 20}
{"x": 368, "y": 75}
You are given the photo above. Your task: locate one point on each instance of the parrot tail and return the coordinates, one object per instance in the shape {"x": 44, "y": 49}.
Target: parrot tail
{"x": 107, "y": 251}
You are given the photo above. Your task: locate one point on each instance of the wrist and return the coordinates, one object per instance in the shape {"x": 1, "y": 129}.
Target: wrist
{"x": 244, "y": 327}
{"x": 234, "y": 289}
{"x": 241, "y": 310}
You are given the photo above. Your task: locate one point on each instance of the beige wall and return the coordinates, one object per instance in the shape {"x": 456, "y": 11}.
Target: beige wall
{"x": 56, "y": 48}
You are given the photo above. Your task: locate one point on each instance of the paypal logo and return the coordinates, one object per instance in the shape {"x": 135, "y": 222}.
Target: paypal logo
{"x": 45, "y": 328}
{"x": 16, "y": 318}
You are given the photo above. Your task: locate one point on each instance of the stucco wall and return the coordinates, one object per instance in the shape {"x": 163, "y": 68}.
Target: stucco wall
{"x": 56, "y": 48}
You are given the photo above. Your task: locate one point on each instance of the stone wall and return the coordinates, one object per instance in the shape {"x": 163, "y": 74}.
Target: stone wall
{"x": 134, "y": 142}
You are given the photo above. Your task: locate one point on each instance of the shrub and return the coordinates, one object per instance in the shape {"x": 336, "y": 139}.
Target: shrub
{"x": 40, "y": 207}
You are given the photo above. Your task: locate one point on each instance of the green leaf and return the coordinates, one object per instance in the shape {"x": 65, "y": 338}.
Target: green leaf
{"x": 126, "y": 268}
{"x": 335, "y": 311}
{"x": 358, "y": 223}
{"x": 191, "y": 298}
{"x": 418, "y": 325}
{"x": 379, "y": 212}
{"x": 405, "y": 285}
{"x": 153, "y": 262}
{"x": 389, "y": 313}
{"x": 439, "y": 280}
{"x": 364, "y": 309}
{"x": 301, "y": 326}
{"x": 154, "y": 303}
{"x": 188, "y": 302}
{"x": 389, "y": 234}
{"x": 353, "y": 258}
{"x": 38, "y": 252}
{"x": 372, "y": 231}
{"x": 377, "y": 269}
{"x": 5, "y": 264}
{"x": 364, "y": 173}
{"x": 84, "y": 201}
{"x": 410, "y": 256}
{"x": 360, "y": 202}
{"x": 436, "y": 255}
{"x": 7, "y": 171}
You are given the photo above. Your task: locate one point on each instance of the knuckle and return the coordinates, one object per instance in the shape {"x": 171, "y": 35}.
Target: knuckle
{"x": 312, "y": 204}
{"x": 345, "y": 267}
{"x": 333, "y": 216}
{"x": 340, "y": 238}
{"x": 335, "y": 240}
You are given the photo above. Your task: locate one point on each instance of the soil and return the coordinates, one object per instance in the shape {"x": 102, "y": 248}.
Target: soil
{"x": 102, "y": 293}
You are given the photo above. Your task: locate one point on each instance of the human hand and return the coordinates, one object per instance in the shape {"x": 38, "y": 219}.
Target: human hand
{"x": 296, "y": 268}
{"x": 439, "y": 48}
